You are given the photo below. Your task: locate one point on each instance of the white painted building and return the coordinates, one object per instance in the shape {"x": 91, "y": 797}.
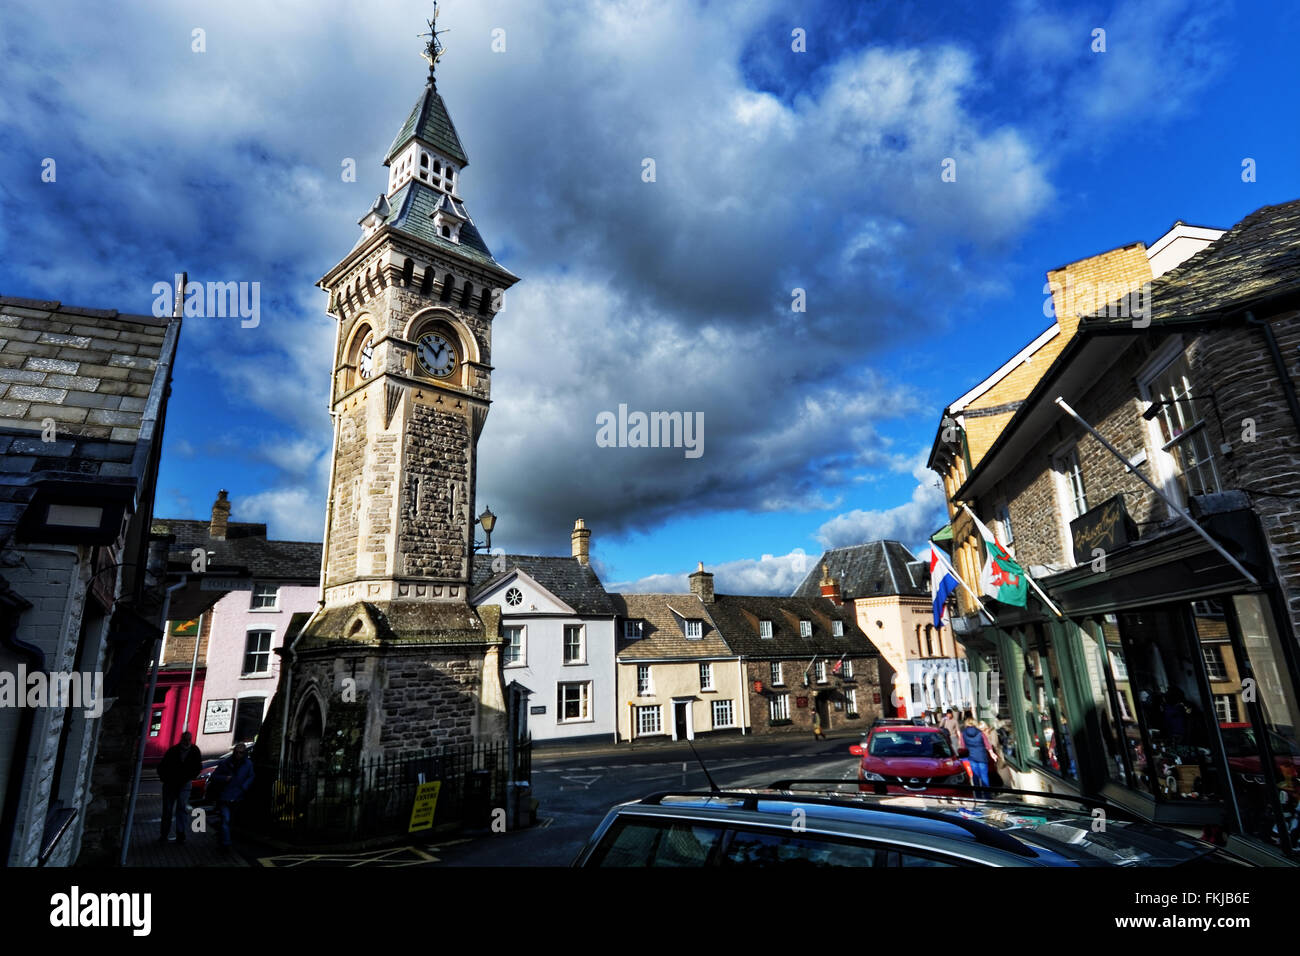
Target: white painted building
{"x": 559, "y": 628}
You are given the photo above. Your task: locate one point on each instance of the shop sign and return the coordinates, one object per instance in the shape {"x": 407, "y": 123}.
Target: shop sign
{"x": 1106, "y": 527}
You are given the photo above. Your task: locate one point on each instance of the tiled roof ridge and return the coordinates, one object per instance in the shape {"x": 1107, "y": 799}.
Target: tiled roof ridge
{"x": 53, "y": 305}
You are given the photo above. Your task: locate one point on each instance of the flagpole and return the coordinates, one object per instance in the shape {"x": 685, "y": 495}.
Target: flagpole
{"x": 1029, "y": 578}
{"x": 1164, "y": 497}
{"x": 974, "y": 597}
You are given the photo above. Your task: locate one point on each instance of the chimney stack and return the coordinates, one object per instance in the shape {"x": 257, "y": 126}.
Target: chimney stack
{"x": 581, "y": 538}
{"x": 830, "y": 586}
{"x": 220, "y": 517}
{"x": 702, "y": 585}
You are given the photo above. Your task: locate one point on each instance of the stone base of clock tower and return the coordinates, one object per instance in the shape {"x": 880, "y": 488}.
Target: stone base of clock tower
{"x": 389, "y": 678}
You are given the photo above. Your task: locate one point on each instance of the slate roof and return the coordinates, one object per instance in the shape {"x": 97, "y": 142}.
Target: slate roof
{"x": 663, "y": 636}
{"x": 411, "y": 210}
{"x": 738, "y": 619}
{"x": 245, "y": 550}
{"x": 875, "y": 569}
{"x": 430, "y": 122}
{"x": 1256, "y": 259}
{"x": 568, "y": 579}
{"x": 99, "y": 374}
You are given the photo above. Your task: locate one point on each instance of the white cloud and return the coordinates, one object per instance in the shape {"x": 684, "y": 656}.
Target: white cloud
{"x": 769, "y": 574}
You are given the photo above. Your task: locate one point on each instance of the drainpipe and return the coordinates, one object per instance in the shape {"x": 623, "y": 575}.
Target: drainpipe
{"x": 744, "y": 695}
{"x": 194, "y": 666}
{"x": 14, "y": 790}
{"x": 148, "y": 718}
{"x": 1284, "y": 377}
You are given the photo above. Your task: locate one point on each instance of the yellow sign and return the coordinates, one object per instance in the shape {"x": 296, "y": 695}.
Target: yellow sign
{"x": 426, "y": 799}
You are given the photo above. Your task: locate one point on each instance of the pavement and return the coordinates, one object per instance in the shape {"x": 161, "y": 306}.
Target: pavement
{"x": 574, "y": 784}
{"x": 199, "y": 849}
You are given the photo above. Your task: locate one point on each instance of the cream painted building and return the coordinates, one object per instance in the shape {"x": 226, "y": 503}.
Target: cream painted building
{"x": 888, "y": 590}
{"x": 676, "y": 676}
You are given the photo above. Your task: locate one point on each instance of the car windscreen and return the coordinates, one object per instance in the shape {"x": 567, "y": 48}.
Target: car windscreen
{"x": 1092, "y": 839}
{"x": 900, "y": 743}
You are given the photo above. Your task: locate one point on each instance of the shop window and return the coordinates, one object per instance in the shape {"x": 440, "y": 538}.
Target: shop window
{"x": 1126, "y": 701}
{"x": 1105, "y": 698}
{"x": 1048, "y": 725}
{"x": 1171, "y": 704}
{"x": 1268, "y": 807}
{"x": 248, "y": 718}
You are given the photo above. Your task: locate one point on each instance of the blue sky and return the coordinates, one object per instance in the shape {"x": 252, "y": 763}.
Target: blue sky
{"x": 775, "y": 170}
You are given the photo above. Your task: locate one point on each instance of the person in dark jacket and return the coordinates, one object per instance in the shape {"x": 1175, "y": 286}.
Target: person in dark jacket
{"x": 977, "y": 749}
{"x": 233, "y": 777}
{"x": 180, "y": 765}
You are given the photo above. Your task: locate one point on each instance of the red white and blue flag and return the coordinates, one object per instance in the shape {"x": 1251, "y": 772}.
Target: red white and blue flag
{"x": 943, "y": 581}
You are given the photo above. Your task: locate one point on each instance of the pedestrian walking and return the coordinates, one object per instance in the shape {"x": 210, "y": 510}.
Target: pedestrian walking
{"x": 817, "y": 726}
{"x": 996, "y": 763}
{"x": 952, "y": 728}
{"x": 978, "y": 753}
{"x": 232, "y": 778}
{"x": 180, "y": 765}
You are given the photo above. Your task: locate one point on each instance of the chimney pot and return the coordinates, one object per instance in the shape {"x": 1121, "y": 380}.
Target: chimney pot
{"x": 220, "y": 517}
{"x": 581, "y": 540}
{"x": 702, "y": 585}
{"x": 830, "y": 586}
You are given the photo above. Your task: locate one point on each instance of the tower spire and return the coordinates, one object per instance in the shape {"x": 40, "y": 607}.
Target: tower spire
{"x": 433, "y": 48}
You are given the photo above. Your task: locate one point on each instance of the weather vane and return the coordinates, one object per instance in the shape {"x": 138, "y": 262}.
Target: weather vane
{"x": 433, "y": 48}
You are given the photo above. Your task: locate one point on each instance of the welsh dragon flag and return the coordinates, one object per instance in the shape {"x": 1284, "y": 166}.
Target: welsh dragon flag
{"x": 1001, "y": 578}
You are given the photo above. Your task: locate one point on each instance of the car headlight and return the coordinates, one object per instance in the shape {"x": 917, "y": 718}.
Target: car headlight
{"x": 868, "y": 775}
{"x": 956, "y": 778}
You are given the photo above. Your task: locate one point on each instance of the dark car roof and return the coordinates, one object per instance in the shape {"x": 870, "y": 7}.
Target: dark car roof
{"x": 1002, "y": 830}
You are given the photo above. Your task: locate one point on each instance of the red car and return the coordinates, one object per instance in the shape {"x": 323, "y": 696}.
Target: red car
{"x": 908, "y": 760}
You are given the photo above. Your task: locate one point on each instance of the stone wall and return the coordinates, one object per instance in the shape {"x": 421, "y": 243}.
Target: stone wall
{"x": 866, "y": 679}
{"x": 435, "y": 501}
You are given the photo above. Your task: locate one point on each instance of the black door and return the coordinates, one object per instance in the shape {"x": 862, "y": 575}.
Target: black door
{"x": 680, "y": 709}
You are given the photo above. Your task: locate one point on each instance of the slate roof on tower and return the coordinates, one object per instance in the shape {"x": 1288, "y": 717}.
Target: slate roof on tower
{"x": 411, "y": 210}
{"x": 429, "y": 122}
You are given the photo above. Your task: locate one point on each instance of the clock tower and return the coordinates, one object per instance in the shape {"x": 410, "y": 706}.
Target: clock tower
{"x": 396, "y": 660}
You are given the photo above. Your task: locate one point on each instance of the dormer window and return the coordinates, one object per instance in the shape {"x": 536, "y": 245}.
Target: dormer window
{"x": 694, "y": 630}
{"x": 805, "y": 628}
{"x": 764, "y": 628}
{"x": 837, "y": 628}
{"x": 633, "y": 630}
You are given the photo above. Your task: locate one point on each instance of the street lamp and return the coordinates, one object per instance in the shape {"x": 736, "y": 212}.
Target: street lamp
{"x": 489, "y": 521}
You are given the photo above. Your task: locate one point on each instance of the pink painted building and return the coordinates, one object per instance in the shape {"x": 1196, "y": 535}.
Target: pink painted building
{"x": 224, "y": 662}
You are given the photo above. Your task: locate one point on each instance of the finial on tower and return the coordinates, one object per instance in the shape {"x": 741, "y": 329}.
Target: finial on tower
{"x": 433, "y": 48}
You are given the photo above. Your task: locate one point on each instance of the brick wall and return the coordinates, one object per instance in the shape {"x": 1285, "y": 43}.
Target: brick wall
{"x": 867, "y": 677}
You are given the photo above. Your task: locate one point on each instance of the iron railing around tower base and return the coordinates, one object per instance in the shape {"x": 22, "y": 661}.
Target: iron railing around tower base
{"x": 373, "y": 799}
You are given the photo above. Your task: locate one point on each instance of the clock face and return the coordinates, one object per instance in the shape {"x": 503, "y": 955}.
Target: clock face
{"x": 437, "y": 356}
{"x": 366, "y": 358}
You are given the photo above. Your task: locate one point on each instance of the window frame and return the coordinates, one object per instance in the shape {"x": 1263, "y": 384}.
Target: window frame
{"x": 645, "y": 710}
{"x": 523, "y": 653}
{"x": 645, "y": 687}
{"x": 775, "y": 668}
{"x": 706, "y": 670}
{"x": 256, "y": 596}
{"x": 765, "y": 625}
{"x": 837, "y": 628}
{"x": 584, "y": 701}
{"x": 1160, "y": 452}
{"x": 783, "y": 700}
{"x": 805, "y": 628}
{"x": 730, "y": 706}
{"x": 581, "y": 659}
{"x": 627, "y": 628}
{"x": 268, "y": 653}
{"x": 693, "y": 624}
{"x": 1064, "y": 479}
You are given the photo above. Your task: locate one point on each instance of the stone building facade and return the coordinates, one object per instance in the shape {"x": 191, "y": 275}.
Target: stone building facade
{"x": 1163, "y": 675}
{"x": 82, "y": 406}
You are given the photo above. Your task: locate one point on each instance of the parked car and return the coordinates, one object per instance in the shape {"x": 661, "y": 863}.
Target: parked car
{"x": 908, "y": 760}
{"x": 199, "y": 786}
{"x": 781, "y": 826}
